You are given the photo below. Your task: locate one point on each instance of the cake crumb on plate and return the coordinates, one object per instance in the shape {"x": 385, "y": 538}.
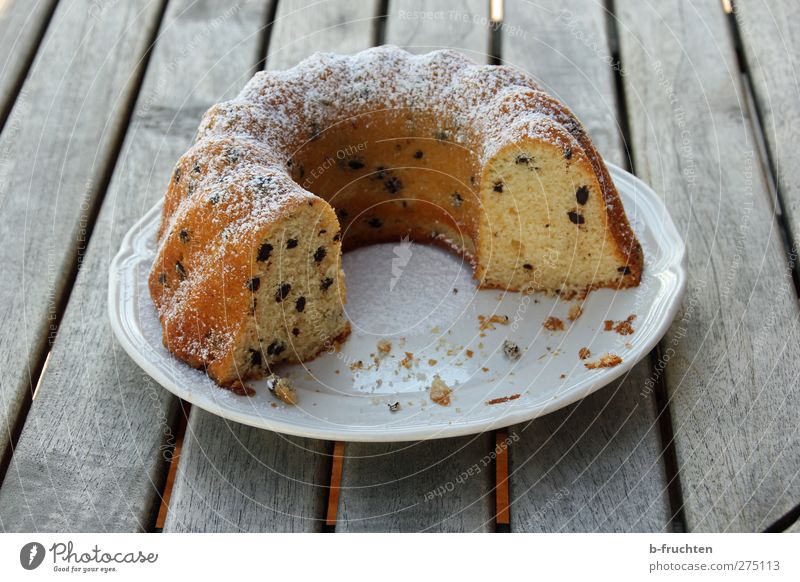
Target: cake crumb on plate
{"x": 488, "y": 322}
{"x": 282, "y": 389}
{"x": 440, "y": 392}
{"x": 408, "y": 360}
{"x": 575, "y": 312}
{"x": 605, "y": 361}
{"x": 502, "y": 399}
{"x": 553, "y": 324}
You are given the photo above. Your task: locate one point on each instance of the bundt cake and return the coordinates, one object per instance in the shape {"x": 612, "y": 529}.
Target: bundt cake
{"x": 343, "y": 151}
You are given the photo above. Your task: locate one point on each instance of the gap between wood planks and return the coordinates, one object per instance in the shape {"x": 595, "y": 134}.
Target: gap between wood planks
{"x": 756, "y": 118}
{"x": 23, "y": 74}
{"x": 186, "y": 408}
{"x": 662, "y": 401}
{"x": 37, "y": 370}
{"x": 175, "y": 456}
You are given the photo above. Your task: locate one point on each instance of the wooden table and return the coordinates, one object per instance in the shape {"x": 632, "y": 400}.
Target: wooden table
{"x": 99, "y": 98}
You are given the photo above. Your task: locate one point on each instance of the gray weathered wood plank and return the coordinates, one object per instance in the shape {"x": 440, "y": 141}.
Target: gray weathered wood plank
{"x": 22, "y": 24}
{"x": 238, "y": 478}
{"x": 439, "y": 485}
{"x": 341, "y": 27}
{"x": 235, "y": 478}
{"x": 595, "y": 466}
{"x": 418, "y": 486}
{"x": 565, "y": 46}
{"x": 420, "y": 26}
{"x": 389, "y": 487}
{"x": 771, "y": 44}
{"x": 58, "y": 145}
{"x": 794, "y": 528}
{"x": 92, "y": 454}
{"x": 730, "y": 359}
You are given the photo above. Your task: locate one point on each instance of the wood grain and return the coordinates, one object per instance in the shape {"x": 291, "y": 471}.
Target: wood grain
{"x": 771, "y": 44}
{"x": 594, "y": 466}
{"x": 420, "y": 26}
{"x": 794, "y": 528}
{"x": 233, "y": 477}
{"x": 92, "y": 455}
{"x": 390, "y": 487}
{"x": 565, "y": 46}
{"x": 303, "y": 27}
{"x": 433, "y": 486}
{"x": 56, "y": 149}
{"x": 22, "y": 25}
{"x": 730, "y": 358}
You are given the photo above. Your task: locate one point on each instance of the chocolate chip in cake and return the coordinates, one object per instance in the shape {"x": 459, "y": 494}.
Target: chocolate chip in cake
{"x": 162, "y": 278}
{"x": 457, "y": 199}
{"x": 261, "y": 182}
{"x": 582, "y": 194}
{"x": 418, "y": 154}
{"x": 232, "y": 155}
{"x": 575, "y": 217}
{"x": 214, "y": 198}
{"x": 177, "y": 175}
{"x": 253, "y": 284}
{"x": 355, "y": 164}
{"x": 255, "y": 357}
{"x": 275, "y": 348}
{"x": 522, "y": 160}
{"x": 320, "y": 254}
{"x": 196, "y": 168}
{"x": 264, "y": 252}
{"x": 472, "y": 180}
{"x": 375, "y": 222}
{"x": 184, "y": 235}
{"x": 527, "y": 267}
{"x": 338, "y": 236}
{"x": 393, "y": 185}
{"x": 291, "y": 243}
{"x": 314, "y": 132}
{"x": 325, "y": 283}
{"x": 282, "y": 292}
{"x": 567, "y": 153}
{"x": 625, "y": 270}
{"x": 295, "y": 331}
{"x": 180, "y": 270}
{"x": 300, "y": 304}
{"x": 498, "y": 186}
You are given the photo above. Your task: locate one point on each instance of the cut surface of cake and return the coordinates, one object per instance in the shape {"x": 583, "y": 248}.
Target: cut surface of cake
{"x": 345, "y": 151}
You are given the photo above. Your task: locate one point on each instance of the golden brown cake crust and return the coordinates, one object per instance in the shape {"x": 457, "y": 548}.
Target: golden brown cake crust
{"x": 250, "y": 172}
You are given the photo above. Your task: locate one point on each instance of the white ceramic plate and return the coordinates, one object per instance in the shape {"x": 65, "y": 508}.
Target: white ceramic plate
{"x": 406, "y": 293}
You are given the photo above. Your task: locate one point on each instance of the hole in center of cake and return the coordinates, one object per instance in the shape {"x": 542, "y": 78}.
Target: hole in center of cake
{"x": 405, "y": 289}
